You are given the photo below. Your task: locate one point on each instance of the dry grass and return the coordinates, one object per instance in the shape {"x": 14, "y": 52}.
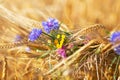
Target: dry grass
{"x": 93, "y": 61}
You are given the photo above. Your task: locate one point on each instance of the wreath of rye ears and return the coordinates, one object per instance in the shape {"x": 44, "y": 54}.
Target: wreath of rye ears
{"x": 87, "y": 30}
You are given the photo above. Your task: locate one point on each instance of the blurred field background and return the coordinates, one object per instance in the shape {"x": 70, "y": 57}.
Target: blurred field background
{"x": 72, "y": 13}
{"x": 25, "y": 14}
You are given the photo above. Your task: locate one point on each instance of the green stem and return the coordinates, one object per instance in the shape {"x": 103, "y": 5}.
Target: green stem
{"x": 114, "y": 77}
{"x": 113, "y": 61}
{"x": 48, "y": 35}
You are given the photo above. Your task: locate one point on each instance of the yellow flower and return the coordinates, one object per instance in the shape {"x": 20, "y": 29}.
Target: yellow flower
{"x": 58, "y": 36}
{"x": 59, "y": 45}
{"x": 55, "y": 41}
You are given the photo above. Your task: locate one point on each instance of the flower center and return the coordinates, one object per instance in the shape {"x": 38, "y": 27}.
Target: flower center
{"x": 50, "y": 24}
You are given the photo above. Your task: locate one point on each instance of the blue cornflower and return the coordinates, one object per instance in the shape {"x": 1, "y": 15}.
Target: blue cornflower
{"x": 115, "y": 38}
{"x": 34, "y": 34}
{"x": 50, "y": 24}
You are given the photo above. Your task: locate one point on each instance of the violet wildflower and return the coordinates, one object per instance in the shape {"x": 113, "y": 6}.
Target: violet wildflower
{"x": 50, "y": 24}
{"x": 34, "y": 34}
{"x": 17, "y": 38}
{"x": 61, "y": 52}
{"x": 115, "y": 38}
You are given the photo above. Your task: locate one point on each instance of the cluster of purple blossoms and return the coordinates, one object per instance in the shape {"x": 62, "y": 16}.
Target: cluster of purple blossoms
{"x": 50, "y": 24}
{"x": 34, "y": 34}
{"x": 115, "y": 39}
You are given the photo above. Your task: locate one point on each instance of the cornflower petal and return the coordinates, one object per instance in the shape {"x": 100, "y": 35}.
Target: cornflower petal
{"x": 50, "y": 24}
{"x": 115, "y": 38}
{"x": 34, "y": 34}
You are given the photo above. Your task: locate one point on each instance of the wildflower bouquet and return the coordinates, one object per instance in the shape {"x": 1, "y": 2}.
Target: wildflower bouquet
{"x": 52, "y": 37}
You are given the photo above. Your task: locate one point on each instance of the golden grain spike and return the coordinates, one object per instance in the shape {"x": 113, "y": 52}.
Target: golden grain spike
{"x": 93, "y": 31}
{"x": 92, "y": 28}
{"x": 11, "y": 45}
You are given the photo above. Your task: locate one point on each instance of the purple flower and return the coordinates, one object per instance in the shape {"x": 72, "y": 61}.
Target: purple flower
{"x": 115, "y": 38}
{"x": 17, "y": 38}
{"x": 61, "y": 52}
{"x": 34, "y": 34}
{"x": 50, "y": 24}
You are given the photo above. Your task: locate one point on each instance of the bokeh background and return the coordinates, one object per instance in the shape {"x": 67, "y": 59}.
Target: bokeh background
{"x": 74, "y": 13}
